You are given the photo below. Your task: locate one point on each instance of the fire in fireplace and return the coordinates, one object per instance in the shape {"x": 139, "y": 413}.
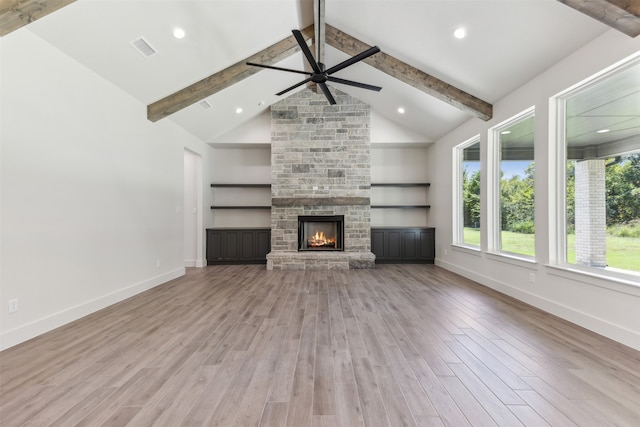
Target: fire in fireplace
{"x": 321, "y": 233}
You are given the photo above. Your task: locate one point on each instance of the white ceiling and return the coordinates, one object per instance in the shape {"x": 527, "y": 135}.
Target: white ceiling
{"x": 509, "y": 42}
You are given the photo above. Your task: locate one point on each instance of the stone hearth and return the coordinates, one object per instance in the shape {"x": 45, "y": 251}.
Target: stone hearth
{"x": 320, "y": 165}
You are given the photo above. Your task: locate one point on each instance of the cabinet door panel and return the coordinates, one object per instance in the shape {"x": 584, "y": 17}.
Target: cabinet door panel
{"x": 246, "y": 245}
{"x": 263, "y": 244}
{"x": 394, "y": 245}
{"x": 410, "y": 244}
{"x": 378, "y": 244}
{"x": 231, "y": 250}
{"x": 214, "y": 245}
{"x": 427, "y": 244}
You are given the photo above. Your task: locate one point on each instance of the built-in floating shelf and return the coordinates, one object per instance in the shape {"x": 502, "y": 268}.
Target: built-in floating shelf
{"x": 240, "y": 207}
{"x": 400, "y": 206}
{"x": 240, "y": 185}
{"x": 401, "y": 184}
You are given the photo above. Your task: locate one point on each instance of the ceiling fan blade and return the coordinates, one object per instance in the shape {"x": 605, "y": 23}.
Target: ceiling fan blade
{"x": 352, "y": 83}
{"x": 278, "y": 68}
{"x": 294, "y": 86}
{"x": 305, "y": 49}
{"x": 326, "y": 92}
{"x": 359, "y": 57}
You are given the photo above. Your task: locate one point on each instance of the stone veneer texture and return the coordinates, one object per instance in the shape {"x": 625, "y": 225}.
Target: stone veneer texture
{"x": 320, "y": 165}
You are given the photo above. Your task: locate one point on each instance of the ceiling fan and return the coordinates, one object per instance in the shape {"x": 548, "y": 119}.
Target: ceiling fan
{"x": 320, "y": 76}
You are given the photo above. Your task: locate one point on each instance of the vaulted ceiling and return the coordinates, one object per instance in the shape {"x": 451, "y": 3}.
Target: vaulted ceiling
{"x": 508, "y": 43}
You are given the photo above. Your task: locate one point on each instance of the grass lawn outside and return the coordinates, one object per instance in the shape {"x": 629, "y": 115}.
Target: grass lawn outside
{"x": 622, "y": 252}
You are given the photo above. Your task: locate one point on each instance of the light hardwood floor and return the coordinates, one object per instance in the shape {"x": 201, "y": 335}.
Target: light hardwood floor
{"x": 401, "y": 345}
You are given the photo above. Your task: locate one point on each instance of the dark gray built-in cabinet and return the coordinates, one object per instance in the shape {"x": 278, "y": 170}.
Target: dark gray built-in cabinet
{"x": 403, "y": 245}
{"x": 238, "y": 245}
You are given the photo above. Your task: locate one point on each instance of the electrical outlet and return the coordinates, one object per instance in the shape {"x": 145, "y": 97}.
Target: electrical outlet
{"x": 532, "y": 277}
{"x": 157, "y": 263}
{"x": 445, "y": 252}
{"x": 13, "y": 305}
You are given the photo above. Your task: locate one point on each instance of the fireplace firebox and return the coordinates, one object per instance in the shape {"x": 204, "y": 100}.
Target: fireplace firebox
{"x": 321, "y": 233}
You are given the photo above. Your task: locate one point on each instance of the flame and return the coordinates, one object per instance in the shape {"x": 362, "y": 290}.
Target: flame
{"x": 319, "y": 239}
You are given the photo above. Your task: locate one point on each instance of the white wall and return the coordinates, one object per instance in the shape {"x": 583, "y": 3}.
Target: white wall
{"x": 604, "y": 306}
{"x": 91, "y": 192}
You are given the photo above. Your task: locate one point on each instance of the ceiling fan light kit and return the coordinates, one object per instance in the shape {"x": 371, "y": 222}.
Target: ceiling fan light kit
{"x": 320, "y": 75}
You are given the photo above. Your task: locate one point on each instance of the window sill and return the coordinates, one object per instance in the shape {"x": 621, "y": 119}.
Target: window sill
{"x": 470, "y": 250}
{"x": 513, "y": 259}
{"x": 630, "y": 285}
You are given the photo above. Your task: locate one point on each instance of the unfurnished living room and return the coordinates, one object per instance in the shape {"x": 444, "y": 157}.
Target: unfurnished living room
{"x": 320, "y": 213}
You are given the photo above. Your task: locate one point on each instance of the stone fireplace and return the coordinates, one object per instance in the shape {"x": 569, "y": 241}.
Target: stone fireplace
{"x": 320, "y": 167}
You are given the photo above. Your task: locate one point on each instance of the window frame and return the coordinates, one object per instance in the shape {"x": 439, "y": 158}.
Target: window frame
{"x": 558, "y": 180}
{"x": 494, "y": 228}
{"x": 458, "y": 193}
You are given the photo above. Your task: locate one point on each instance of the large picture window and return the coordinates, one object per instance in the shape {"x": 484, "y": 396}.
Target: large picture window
{"x": 600, "y": 159}
{"x": 513, "y": 183}
{"x": 467, "y": 193}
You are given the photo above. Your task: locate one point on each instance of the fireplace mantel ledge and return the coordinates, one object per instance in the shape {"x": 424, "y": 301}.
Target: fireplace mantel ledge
{"x": 320, "y": 201}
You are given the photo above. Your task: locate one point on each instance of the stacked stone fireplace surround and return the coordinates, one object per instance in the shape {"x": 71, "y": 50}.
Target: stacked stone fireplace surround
{"x": 320, "y": 165}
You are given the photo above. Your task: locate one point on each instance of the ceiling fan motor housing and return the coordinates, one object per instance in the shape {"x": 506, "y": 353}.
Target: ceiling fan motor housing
{"x": 319, "y": 75}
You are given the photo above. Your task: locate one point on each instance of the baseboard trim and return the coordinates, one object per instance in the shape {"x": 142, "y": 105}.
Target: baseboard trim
{"x": 48, "y": 323}
{"x": 600, "y": 326}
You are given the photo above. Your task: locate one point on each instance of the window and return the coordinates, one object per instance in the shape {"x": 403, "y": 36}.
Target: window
{"x": 600, "y": 167}
{"x": 513, "y": 194}
{"x": 467, "y": 193}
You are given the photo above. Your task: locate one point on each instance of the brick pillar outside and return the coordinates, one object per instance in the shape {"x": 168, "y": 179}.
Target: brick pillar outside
{"x": 590, "y": 211}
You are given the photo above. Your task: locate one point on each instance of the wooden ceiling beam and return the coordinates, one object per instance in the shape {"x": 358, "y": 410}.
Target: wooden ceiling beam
{"x": 16, "y": 14}
{"x": 623, "y": 15}
{"x": 225, "y": 78}
{"x": 410, "y": 75}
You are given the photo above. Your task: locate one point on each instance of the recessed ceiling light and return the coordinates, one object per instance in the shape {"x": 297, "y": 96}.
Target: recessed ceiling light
{"x": 460, "y": 33}
{"x": 178, "y": 33}
{"x": 238, "y": 110}
{"x": 603, "y": 131}
{"x": 400, "y": 110}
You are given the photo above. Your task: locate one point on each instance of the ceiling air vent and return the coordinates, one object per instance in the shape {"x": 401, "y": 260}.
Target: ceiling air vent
{"x": 143, "y": 47}
{"x": 204, "y": 104}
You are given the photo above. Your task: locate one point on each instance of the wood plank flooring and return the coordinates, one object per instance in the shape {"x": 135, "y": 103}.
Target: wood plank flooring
{"x": 401, "y": 345}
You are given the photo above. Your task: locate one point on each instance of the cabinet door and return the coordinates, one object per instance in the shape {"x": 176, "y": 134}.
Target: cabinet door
{"x": 214, "y": 245}
{"x": 378, "y": 244}
{"x": 410, "y": 245}
{"x": 230, "y": 247}
{"x": 427, "y": 244}
{"x": 263, "y": 244}
{"x": 246, "y": 249}
{"x": 394, "y": 245}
